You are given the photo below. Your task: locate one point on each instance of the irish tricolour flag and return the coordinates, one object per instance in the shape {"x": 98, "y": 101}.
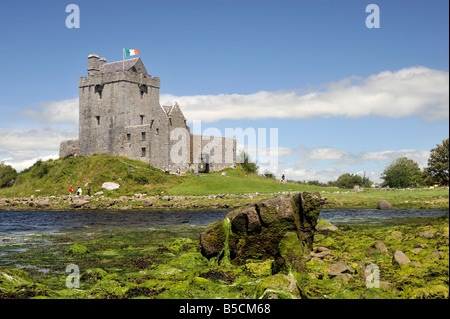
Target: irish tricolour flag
{"x": 131, "y": 52}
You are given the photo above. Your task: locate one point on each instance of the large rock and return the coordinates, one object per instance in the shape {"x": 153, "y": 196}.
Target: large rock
{"x": 384, "y": 204}
{"x": 110, "y": 186}
{"x": 378, "y": 248}
{"x": 340, "y": 269}
{"x": 280, "y": 228}
{"x": 78, "y": 203}
{"x": 400, "y": 258}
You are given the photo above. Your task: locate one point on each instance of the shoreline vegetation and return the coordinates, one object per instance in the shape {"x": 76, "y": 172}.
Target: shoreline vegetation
{"x": 334, "y": 199}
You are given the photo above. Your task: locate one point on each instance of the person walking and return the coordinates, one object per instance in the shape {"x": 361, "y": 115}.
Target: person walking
{"x": 70, "y": 190}
{"x": 79, "y": 192}
{"x": 89, "y": 190}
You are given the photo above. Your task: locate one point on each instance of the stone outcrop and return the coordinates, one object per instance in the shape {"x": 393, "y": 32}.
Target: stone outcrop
{"x": 340, "y": 269}
{"x": 280, "y": 228}
{"x": 384, "y": 204}
{"x": 378, "y": 248}
{"x": 400, "y": 258}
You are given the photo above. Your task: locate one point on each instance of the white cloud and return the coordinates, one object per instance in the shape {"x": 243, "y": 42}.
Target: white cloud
{"x": 65, "y": 111}
{"x": 419, "y": 156}
{"x": 343, "y": 157}
{"x": 21, "y": 164}
{"x": 309, "y": 174}
{"x": 21, "y": 149}
{"x": 45, "y": 139}
{"x": 414, "y": 91}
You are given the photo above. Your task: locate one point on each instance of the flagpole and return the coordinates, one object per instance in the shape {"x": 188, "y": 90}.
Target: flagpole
{"x": 123, "y": 60}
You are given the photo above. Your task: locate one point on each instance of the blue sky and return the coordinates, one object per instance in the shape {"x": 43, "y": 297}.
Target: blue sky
{"x": 344, "y": 98}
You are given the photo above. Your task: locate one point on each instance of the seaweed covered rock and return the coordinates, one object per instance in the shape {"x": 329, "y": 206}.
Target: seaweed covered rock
{"x": 280, "y": 228}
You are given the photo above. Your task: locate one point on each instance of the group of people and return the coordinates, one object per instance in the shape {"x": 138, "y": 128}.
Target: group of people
{"x": 79, "y": 192}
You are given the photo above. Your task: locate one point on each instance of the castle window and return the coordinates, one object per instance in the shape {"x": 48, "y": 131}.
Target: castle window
{"x": 157, "y": 131}
{"x": 128, "y": 137}
{"x": 99, "y": 90}
{"x": 151, "y": 124}
{"x": 97, "y": 118}
{"x": 170, "y": 121}
{"x": 143, "y": 89}
{"x": 143, "y": 152}
{"x": 141, "y": 119}
{"x": 144, "y": 136}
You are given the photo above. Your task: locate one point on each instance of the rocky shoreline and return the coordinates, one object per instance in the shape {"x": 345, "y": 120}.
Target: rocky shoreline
{"x": 138, "y": 201}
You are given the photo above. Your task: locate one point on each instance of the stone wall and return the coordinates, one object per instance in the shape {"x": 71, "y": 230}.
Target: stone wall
{"x": 69, "y": 147}
{"x": 216, "y": 152}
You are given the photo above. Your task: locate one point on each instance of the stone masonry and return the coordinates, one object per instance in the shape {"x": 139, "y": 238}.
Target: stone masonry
{"x": 120, "y": 114}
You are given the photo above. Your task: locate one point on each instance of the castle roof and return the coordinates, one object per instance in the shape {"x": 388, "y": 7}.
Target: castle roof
{"x": 128, "y": 64}
{"x": 167, "y": 108}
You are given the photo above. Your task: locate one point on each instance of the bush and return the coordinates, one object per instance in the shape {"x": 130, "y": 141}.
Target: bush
{"x": 269, "y": 174}
{"x": 244, "y": 162}
{"x": 8, "y": 175}
{"x": 39, "y": 169}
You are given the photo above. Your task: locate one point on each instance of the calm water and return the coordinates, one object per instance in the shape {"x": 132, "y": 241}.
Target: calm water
{"x": 55, "y": 221}
{"x": 63, "y": 221}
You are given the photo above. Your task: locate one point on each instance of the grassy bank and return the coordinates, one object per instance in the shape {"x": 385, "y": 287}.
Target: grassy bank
{"x": 167, "y": 263}
{"x": 53, "y": 178}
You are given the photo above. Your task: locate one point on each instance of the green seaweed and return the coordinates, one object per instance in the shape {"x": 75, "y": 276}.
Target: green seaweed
{"x": 167, "y": 262}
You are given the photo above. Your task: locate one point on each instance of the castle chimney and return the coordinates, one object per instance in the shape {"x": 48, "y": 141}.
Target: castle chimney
{"x": 102, "y": 62}
{"x": 93, "y": 65}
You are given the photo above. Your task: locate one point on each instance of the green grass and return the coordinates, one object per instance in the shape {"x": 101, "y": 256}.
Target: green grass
{"x": 399, "y": 199}
{"x": 236, "y": 182}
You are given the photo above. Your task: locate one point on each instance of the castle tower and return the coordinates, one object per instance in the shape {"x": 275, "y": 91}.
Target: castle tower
{"x": 120, "y": 114}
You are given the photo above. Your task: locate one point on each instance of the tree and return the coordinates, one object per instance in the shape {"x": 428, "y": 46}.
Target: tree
{"x": 350, "y": 180}
{"x": 244, "y": 161}
{"x": 437, "y": 171}
{"x": 403, "y": 172}
{"x": 8, "y": 175}
{"x": 269, "y": 174}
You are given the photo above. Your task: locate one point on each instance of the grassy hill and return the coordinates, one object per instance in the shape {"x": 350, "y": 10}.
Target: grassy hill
{"x": 54, "y": 177}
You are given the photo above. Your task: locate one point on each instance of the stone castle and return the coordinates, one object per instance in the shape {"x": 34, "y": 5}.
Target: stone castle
{"x": 120, "y": 114}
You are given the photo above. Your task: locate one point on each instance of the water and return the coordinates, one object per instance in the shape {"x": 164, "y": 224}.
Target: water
{"x": 61, "y": 221}
{"x": 371, "y": 216}
{"x": 49, "y": 222}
